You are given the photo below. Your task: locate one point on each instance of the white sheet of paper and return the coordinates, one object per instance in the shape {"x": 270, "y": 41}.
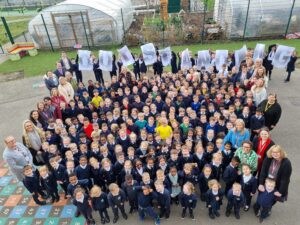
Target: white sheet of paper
{"x": 282, "y": 56}
{"x": 149, "y": 53}
{"x": 203, "y": 59}
{"x": 126, "y": 56}
{"x": 85, "y": 60}
{"x": 221, "y": 58}
{"x": 185, "y": 59}
{"x": 166, "y": 55}
{"x": 259, "y": 51}
{"x": 240, "y": 55}
{"x": 105, "y": 60}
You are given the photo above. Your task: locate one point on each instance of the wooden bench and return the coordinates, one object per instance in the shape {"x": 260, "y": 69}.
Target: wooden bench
{"x": 20, "y": 49}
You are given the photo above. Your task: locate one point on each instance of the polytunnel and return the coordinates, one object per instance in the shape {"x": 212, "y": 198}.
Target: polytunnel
{"x": 88, "y": 23}
{"x": 257, "y": 18}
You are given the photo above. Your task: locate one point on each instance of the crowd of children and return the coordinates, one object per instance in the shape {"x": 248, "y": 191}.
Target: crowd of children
{"x": 152, "y": 142}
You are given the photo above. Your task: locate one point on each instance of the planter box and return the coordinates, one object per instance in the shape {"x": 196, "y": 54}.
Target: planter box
{"x": 4, "y": 77}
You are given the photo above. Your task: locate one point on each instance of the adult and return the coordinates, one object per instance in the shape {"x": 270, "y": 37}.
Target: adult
{"x": 33, "y": 138}
{"x": 37, "y": 120}
{"x": 65, "y": 89}
{"x": 277, "y": 167}
{"x": 60, "y": 71}
{"x": 261, "y": 144}
{"x": 65, "y": 62}
{"x": 291, "y": 66}
{"x": 45, "y": 112}
{"x": 17, "y": 156}
{"x": 71, "y": 80}
{"x": 268, "y": 60}
{"x": 271, "y": 110}
{"x": 247, "y": 155}
{"x": 50, "y": 80}
{"x": 259, "y": 91}
{"x": 238, "y": 134}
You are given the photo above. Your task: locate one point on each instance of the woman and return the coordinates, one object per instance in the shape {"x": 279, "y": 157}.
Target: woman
{"x": 271, "y": 110}
{"x": 65, "y": 62}
{"x": 45, "y": 112}
{"x": 33, "y": 138}
{"x": 278, "y": 167}
{"x": 247, "y": 156}
{"x": 238, "y": 134}
{"x": 291, "y": 66}
{"x": 261, "y": 145}
{"x": 259, "y": 91}
{"x": 36, "y": 119}
{"x": 65, "y": 89}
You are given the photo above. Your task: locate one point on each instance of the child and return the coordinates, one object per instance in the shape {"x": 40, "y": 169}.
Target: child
{"x": 95, "y": 172}
{"x": 82, "y": 204}
{"x": 227, "y": 155}
{"x": 107, "y": 173}
{"x": 160, "y": 176}
{"x": 116, "y": 199}
{"x": 129, "y": 187}
{"x": 199, "y": 156}
{"x": 59, "y": 174}
{"x": 32, "y": 184}
{"x": 256, "y": 123}
{"x": 249, "y": 185}
{"x": 214, "y": 198}
{"x": 188, "y": 199}
{"x": 173, "y": 160}
{"x": 163, "y": 199}
{"x": 265, "y": 200}
{"x": 236, "y": 200}
{"x": 145, "y": 198}
{"x": 230, "y": 174}
{"x": 141, "y": 122}
{"x": 189, "y": 174}
{"x": 204, "y": 178}
{"x": 100, "y": 203}
{"x": 49, "y": 183}
{"x": 74, "y": 183}
{"x": 216, "y": 165}
{"x": 146, "y": 180}
{"x": 175, "y": 182}
{"x": 83, "y": 170}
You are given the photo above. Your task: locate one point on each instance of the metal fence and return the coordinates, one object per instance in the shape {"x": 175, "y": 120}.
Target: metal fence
{"x": 195, "y": 21}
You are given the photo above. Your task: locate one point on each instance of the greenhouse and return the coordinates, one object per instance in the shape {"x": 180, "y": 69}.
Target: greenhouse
{"x": 264, "y": 17}
{"x": 87, "y": 23}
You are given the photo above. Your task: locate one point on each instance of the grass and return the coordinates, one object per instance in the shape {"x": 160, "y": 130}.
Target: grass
{"x": 45, "y": 60}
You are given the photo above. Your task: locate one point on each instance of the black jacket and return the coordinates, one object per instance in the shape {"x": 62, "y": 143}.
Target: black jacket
{"x": 272, "y": 115}
{"x": 291, "y": 65}
{"x": 100, "y": 203}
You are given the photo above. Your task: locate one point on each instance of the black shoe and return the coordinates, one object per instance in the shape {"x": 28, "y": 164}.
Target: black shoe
{"x": 107, "y": 220}
{"x": 177, "y": 202}
{"x": 53, "y": 200}
{"x": 227, "y": 213}
{"x": 217, "y": 214}
{"x": 41, "y": 203}
{"x": 237, "y": 216}
{"x": 167, "y": 217}
{"x": 77, "y": 214}
{"x": 57, "y": 199}
{"x": 125, "y": 216}
{"x": 192, "y": 216}
{"x": 102, "y": 220}
{"x": 115, "y": 219}
{"x": 212, "y": 216}
{"x": 131, "y": 210}
{"x": 45, "y": 196}
{"x": 285, "y": 81}
{"x": 183, "y": 214}
{"x": 161, "y": 215}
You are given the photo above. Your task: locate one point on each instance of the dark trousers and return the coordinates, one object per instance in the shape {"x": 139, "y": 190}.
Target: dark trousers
{"x": 53, "y": 193}
{"x": 99, "y": 76}
{"x": 214, "y": 208}
{"x": 190, "y": 210}
{"x": 103, "y": 214}
{"x": 116, "y": 208}
{"x": 64, "y": 186}
{"x": 137, "y": 75}
{"x": 269, "y": 73}
{"x": 248, "y": 198}
{"x": 133, "y": 203}
{"x": 148, "y": 210}
{"x": 228, "y": 187}
{"x": 264, "y": 212}
{"x": 236, "y": 207}
{"x": 35, "y": 196}
{"x": 164, "y": 211}
{"x": 78, "y": 76}
{"x": 289, "y": 76}
{"x": 88, "y": 216}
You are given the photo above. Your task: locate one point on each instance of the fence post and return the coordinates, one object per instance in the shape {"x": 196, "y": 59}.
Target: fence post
{"x": 123, "y": 24}
{"x": 203, "y": 24}
{"x": 47, "y": 33}
{"x": 24, "y": 35}
{"x": 6, "y": 27}
{"x": 289, "y": 21}
{"x": 246, "y": 21}
{"x": 86, "y": 36}
{"x": 1, "y": 49}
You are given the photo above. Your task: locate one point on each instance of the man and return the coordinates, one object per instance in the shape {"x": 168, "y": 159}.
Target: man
{"x": 17, "y": 156}
{"x": 51, "y": 80}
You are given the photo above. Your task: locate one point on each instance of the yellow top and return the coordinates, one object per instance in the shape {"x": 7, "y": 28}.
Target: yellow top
{"x": 96, "y": 101}
{"x": 164, "y": 132}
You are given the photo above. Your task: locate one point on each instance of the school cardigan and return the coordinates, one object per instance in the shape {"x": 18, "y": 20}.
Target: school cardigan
{"x": 100, "y": 203}
{"x": 283, "y": 175}
{"x": 236, "y": 138}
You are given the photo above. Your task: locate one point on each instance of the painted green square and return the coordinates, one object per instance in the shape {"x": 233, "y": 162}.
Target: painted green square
{"x": 52, "y": 221}
{"x": 9, "y": 189}
{"x": 3, "y": 221}
{"x": 78, "y": 221}
{"x": 25, "y": 221}
{"x": 26, "y": 192}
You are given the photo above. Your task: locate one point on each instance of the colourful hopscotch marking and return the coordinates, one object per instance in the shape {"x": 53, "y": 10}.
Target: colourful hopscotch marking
{"x": 13, "y": 200}
{"x": 26, "y": 192}
{"x": 17, "y": 211}
{"x": 78, "y": 221}
{"x": 25, "y": 221}
{"x": 52, "y": 221}
{"x": 68, "y": 211}
{"x": 43, "y": 211}
{"x": 9, "y": 189}
{"x": 4, "y": 181}
{"x": 3, "y": 221}
{"x": 3, "y": 172}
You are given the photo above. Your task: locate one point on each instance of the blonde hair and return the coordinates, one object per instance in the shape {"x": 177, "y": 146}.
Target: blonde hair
{"x": 190, "y": 186}
{"x": 276, "y": 148}
{"x": 237, "y": 186}
{"x": 239, "y": 121}
{"x": 105, "y": 160}
{"x": 43, "y": 168}
{"x": 213, "y": 182}
{"x": 95, "y": 191}
{"x": 113, "y": 187}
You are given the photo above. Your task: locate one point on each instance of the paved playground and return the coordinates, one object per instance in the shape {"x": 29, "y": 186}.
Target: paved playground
{"x": 17, "y": 98}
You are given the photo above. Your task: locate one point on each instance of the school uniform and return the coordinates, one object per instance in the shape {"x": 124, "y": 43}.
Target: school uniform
{"x": 84, "y": 172}
{"x": 96, "y": 177}
{"x": 256, "y": 123}
{"x": 200, "y": 160}
{"x": 264, "y": 203}
{"x": 84, "y": 208}
{"x": 80, "y": 183}
{"x": 193, "y": 177}
{"x": 183, "y": 160}
{"x": 211, "y": 200}
{"x": 187, "y": 202}
{"x": 131, "y": 194}
{"x": 117, "y": 202}
{"x": 216, "y": 171}
{"x": 50, "y": 184}
{"x": 176, "y": 183}
{"x": 226, "y": 158}
{"x": 230, "y": 176}
{"x": 60, "y": 175}
{"x": 33, "y": 185}
{"x": 151, "y": 171}
{"x": 235, "y": 202}
{"x": 101, "y": 204}
{"x": 108, "y": 176}
{"x": 164, "y": 203}
{"x": 249, "y": 186}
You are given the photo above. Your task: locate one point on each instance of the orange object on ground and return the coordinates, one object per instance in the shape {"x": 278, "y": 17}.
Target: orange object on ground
{"x": 20, "y": 46}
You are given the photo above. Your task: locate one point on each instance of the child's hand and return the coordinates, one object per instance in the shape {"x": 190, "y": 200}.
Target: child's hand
{"x": 239, "y": 172}
{"x": 251, "y": 194}
{"x": 277, "y": 194}
{"x": 261, "y": 188}
{"x": 217, "y": 198}
{"x": 209, "y": 206}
